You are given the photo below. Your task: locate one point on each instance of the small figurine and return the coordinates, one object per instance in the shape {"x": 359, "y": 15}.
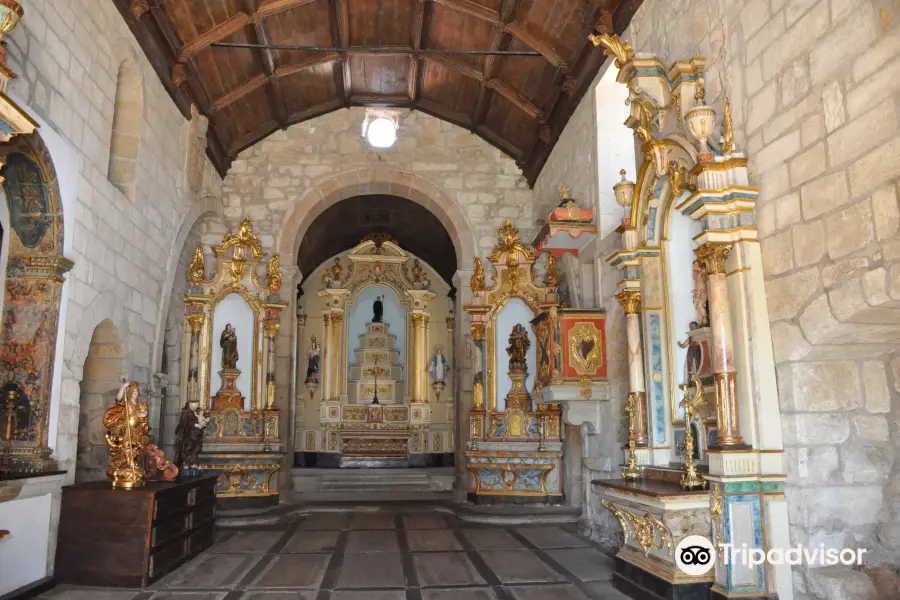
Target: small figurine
{"x": 127, "y": 436}
{"x": 378, "y": 309}
{"x": 694, "y": 356}
{"x": 518, "y": 348}
{"x": 438, "y": 366}
{"x": 189, "y": 435}
{"x": 701, "y": 294}
{"x": 312, "y": 370}
{"x": 228, "y": 342}
{"x": 418, "y": 276}
{"x": 332, "y": 275}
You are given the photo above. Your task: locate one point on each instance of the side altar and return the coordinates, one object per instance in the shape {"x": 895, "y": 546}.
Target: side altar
{"x": 515, "y": 452}
{"x": 373, "y": 400}
{"x": 231, "y": 324}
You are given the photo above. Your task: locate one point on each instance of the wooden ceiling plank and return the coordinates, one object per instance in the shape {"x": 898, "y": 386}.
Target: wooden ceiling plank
{"x": 315, "y": 111}
{"x": 251, "y": 137}
{"x": 472, "y": 8}
{"x": 216, "y": 34}
{"x": 271, "y": 7}
{"x": 538, "y": 43}
{"x": 307, "y": 63}
{"x": 251, "y": 85}
{"x": 500, "y": 142}
{"x": 445, "y": 113}
{"x": 276, "y": 94}
{"x": 379, "y": 100}
{"x": 418, "y": 35}
{"x": 456, "y": 66}
{"x": 341, "y": 38}
{"x": 500, "y": 40}
{"x": 514, "y": 97}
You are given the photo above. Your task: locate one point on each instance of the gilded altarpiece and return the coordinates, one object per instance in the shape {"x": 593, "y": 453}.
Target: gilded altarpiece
{"x": 231, "y": 325}
{"x": 338, "y": 424}
{"x": 33, "y": 292}
{"x": 515, "y": 450}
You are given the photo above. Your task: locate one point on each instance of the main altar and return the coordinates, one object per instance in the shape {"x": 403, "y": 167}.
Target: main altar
{"x": 374, "y": 382}
{"x": 231, "y": 324}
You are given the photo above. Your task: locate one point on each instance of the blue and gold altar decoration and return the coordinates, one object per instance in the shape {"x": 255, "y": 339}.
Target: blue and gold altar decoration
{"x": 231, "y": 324}
{"x": 515, "y": 447}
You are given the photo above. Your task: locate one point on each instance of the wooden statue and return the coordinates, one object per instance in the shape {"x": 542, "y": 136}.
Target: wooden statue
{"x": 189, "y": 435}
{"x": 518, "y": 348}
{"x": 127, "y": 436}
{"x": 228, "y": 342}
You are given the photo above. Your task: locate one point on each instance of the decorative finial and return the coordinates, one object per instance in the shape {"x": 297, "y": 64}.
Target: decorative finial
{"x": 564, "y": 193}
{"x": 197, "y": 270}
{"x": 728, "y": 129}
{"x": 614, "y": 46}
{"x": 273, "y": 276}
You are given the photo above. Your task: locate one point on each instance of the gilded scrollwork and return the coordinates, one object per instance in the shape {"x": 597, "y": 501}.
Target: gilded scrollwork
{"x": 615, "y": 47}
{"x": 586, "y": 348}
{"x": 644, "y": 530}
{"x": 197, "y": 270}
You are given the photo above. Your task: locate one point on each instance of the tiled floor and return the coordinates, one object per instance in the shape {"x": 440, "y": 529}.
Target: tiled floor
{"x": 387, "y": 552}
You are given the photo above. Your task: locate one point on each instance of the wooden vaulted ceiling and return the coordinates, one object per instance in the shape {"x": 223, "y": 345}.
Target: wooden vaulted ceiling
{"x": 519, "y": 104}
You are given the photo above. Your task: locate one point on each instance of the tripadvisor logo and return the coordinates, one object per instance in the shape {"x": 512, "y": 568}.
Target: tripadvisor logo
{"x": 695, "y": 555}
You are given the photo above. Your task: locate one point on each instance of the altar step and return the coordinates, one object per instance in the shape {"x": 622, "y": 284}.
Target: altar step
{"x": 373, "y": 484}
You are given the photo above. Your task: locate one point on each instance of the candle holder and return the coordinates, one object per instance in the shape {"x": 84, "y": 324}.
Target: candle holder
{"x": 691, "y": 478}
{"x": 631, "y": 470}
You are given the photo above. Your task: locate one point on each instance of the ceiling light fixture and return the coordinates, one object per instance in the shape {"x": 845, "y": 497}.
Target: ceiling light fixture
{"x": 381, "y": 132}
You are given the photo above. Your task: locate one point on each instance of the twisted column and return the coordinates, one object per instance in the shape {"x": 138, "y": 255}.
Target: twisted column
{"x": 630, "y": 300}
{"x": 712, "y": 256}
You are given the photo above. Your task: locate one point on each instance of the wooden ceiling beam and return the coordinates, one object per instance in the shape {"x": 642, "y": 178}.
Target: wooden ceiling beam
{"x": 500, "y": 142}
{"x": 418, "y": 31}
{"x": 515, "y": 98}
{"x": 472, "y": 8}
{"x": 447, "y": 114}
{"x": 307, "y": 63}
{"x": 379, "y": 100}
{"x": 457, "y": 66}
{"x": 271, "y": 7}
{"x": 339, "y": 18}
{"x": 276, "y": 94}
{"x": 538, "y": 43}
{"x": 217, "y": 34}
{"x": 248, "y": 87}
{"x": 315, "y": 111}
{"x": 251, "y": 137}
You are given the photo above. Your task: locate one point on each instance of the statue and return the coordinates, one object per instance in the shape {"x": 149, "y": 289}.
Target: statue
{"x": 477, "y": 281}
{"x": 127, "y": 436}
{"x": 518, "y": 348}
{"x": 701, "y": 294}
{"x": 694, "y": 358}
{"x": 273, "y": 276}
{"x": 418, "y": 276}
{"x": 228, "y": 342}
{"x": 332, "y": 275}
{"x": 189, "y": 435}
{"x": 438, "y": 366}
{"x": 551, "y": 277}
{"x": 197, "y": 270}
{"x": 378, "y": 308}
{"x": 312, "y": 370}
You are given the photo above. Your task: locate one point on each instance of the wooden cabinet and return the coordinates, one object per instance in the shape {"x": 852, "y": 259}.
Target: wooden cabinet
{"x": 131, "y": 538}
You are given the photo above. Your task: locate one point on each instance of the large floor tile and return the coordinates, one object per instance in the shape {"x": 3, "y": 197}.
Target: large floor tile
{"x": 432, "y": 540}
{"x": 367, "y": 521}
{"x": 71, "y": 593}
{"x": 293, "y": 571}
{"x": 547, "y": 592}
{"x": 326, "y": 521}
{"x": 213, "y": 571}
{"x": 519, "y": 566}
{"x": 189, "y": 595}
{"x": 373, "y": 541}
{"x": 425, "y": 521}
{"x": 587, "y": 564}
{"x": 247, "y": 542}
{"x": 381, "y": 570}
{"x": 454, "y": 568}
{"x": 270, "y": 595}
{"x": 368, "y": 595}
{"x": 551, "y": 537}
{"x": 485, "y": 593}
{"x": 307, "y": 542}
{"x": 492, "y": 539}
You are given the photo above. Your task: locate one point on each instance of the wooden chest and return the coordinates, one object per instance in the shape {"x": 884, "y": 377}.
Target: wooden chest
{"x": 131, "y": 538}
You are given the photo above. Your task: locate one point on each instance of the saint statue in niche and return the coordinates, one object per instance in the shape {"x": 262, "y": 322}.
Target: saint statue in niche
{"x": 312, "y": 370}
{"x": 701, "y": 294}
{"x": 228, "y": 342}
{"x": 438, "y": 366}
{"x": 378, "y": 308}
{"x": 694, "y": 358}
{"x": 189, "y": 435}
{"x": 518, "y": 348}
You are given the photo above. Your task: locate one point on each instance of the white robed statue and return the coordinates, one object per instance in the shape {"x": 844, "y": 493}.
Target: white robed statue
{"x": 438, "y": 367}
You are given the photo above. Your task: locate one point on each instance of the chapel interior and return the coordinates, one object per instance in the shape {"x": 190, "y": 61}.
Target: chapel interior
{"x": 450, "y": 299}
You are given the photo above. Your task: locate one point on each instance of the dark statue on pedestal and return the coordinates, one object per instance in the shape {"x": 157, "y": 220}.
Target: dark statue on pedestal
{"x": 189, "y": 435}
{"x": 379, "y": 310}
{"x": 518, "y": 348}
{"x": 312, "y": 370}
{"x": 228, "y": 342}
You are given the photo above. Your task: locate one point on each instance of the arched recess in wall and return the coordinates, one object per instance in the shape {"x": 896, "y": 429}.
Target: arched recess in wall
{"x": 128, "y": 122}
{"x": 103, "y": 372}
{"x": 33, "y": 286}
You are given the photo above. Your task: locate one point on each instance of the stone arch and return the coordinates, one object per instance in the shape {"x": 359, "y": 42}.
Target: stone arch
{"x": 127, "y": 125}
{"x": 103, "y": 370}
{"x": 106, "y": 306}
{"x": 377, "y": 180}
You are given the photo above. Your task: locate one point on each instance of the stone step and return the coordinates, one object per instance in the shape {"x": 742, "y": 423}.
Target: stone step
{"x": 374, "y": 480}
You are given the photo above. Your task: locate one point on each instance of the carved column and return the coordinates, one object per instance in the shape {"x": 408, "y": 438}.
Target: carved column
{"x": 451, "y": 326}
{"x": 300, "y": 370}
{"x": 420, "y": 347}
{"x": 337, "y": 319}
{"x": 195, "y": 324}
{"x": 270, "y": 328}
{"x": 712, "y": 256}
{"x": 630, "y": 300}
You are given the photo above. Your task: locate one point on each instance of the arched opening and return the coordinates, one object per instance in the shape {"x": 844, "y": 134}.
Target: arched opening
{"x": 128, "y": 121}
{"x": 103, "y": 370}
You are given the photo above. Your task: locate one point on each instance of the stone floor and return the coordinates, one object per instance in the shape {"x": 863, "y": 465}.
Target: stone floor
{"x": 385, "y": 552}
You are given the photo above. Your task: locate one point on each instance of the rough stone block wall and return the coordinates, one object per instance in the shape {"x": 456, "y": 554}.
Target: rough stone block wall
{"x": 67, "y": 55}
{"x": 814, "y": 89}
{"x": 267, "y": 179}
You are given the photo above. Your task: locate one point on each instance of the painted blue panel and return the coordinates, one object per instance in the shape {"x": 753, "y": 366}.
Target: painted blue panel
{"x": 754, "y": 501}
{"x": 659, "y": 408}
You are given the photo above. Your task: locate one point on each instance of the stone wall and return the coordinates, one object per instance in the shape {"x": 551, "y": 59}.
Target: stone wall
{"x": 68, "y": 57}
{"x": 266, "y": 180}
{"x": 814, "y": 87}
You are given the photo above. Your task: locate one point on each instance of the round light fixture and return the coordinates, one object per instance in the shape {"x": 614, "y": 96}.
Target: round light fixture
{"x": 381, "y": 133}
